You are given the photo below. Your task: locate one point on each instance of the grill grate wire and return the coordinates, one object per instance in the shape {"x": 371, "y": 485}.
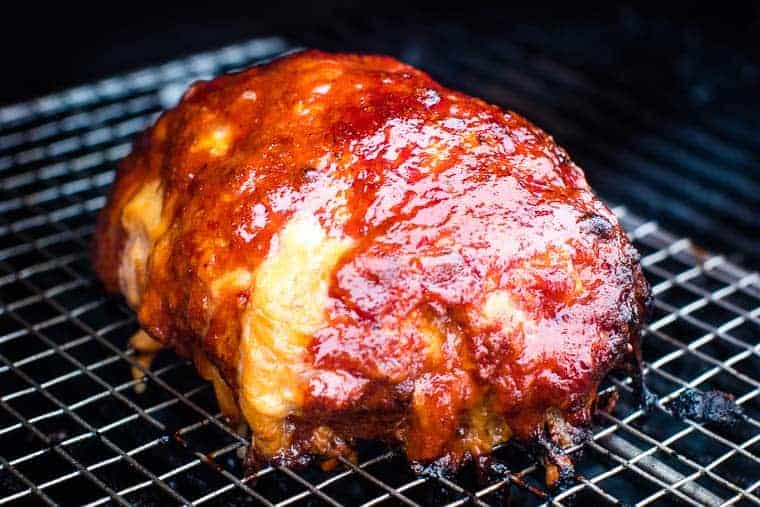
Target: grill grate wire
{"x": 74, "y": 429}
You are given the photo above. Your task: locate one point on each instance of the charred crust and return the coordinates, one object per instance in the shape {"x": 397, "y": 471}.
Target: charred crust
{"x": 302, "y": 451}
{"x": 711, "y": 407}
{"x": 444, "y": 467}
{"x": 597, "y": 225}
{"x": 559, "y": 468}
{"x": 647, "y": 399}
{"x": 489, "y": 469}
{"x": 607, "y": 401}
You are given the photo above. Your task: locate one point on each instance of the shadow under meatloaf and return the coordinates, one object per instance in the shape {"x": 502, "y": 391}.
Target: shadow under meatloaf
{"x": 349, "y": 250}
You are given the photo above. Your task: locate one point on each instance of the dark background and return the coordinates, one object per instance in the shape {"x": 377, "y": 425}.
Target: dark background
{"x": 659, "y": 103}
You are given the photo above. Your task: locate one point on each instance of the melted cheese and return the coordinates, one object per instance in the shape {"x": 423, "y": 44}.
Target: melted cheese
{"x": 224, "y": 395}
{"x": 143, "y": 224}
{"x": 145, "y": 349}
{"x": 285, "y": 309}
{"x": 216, "y": 141}
{"x": 484, "y": 429}
{"x": 500, "y": 308}
{"x": 432, "y": 334}
{"x": 235, "y": 280}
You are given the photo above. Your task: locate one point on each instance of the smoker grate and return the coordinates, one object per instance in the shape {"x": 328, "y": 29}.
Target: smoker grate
{"x": 74, "y": 428}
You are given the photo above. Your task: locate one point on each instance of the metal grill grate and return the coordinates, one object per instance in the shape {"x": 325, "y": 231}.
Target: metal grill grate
{"x": 73, "y": 428}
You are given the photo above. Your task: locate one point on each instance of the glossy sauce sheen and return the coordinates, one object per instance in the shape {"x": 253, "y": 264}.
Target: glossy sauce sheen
{"x": 479, "y": 275}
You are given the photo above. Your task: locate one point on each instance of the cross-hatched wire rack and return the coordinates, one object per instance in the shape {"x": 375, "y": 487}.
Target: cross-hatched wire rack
{"x": 76, "y": 427}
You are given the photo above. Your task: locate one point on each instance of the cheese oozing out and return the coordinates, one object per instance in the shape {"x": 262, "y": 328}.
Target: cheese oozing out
{"x": 143, "y": 224}
{"x": 286, "y": 308}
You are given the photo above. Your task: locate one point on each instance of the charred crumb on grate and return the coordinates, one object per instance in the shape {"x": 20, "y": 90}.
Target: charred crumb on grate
{"x": 710, "y": 407}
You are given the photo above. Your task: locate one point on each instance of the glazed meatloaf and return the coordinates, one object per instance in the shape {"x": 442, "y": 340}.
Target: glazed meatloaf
{"x": 349, "y": 250}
